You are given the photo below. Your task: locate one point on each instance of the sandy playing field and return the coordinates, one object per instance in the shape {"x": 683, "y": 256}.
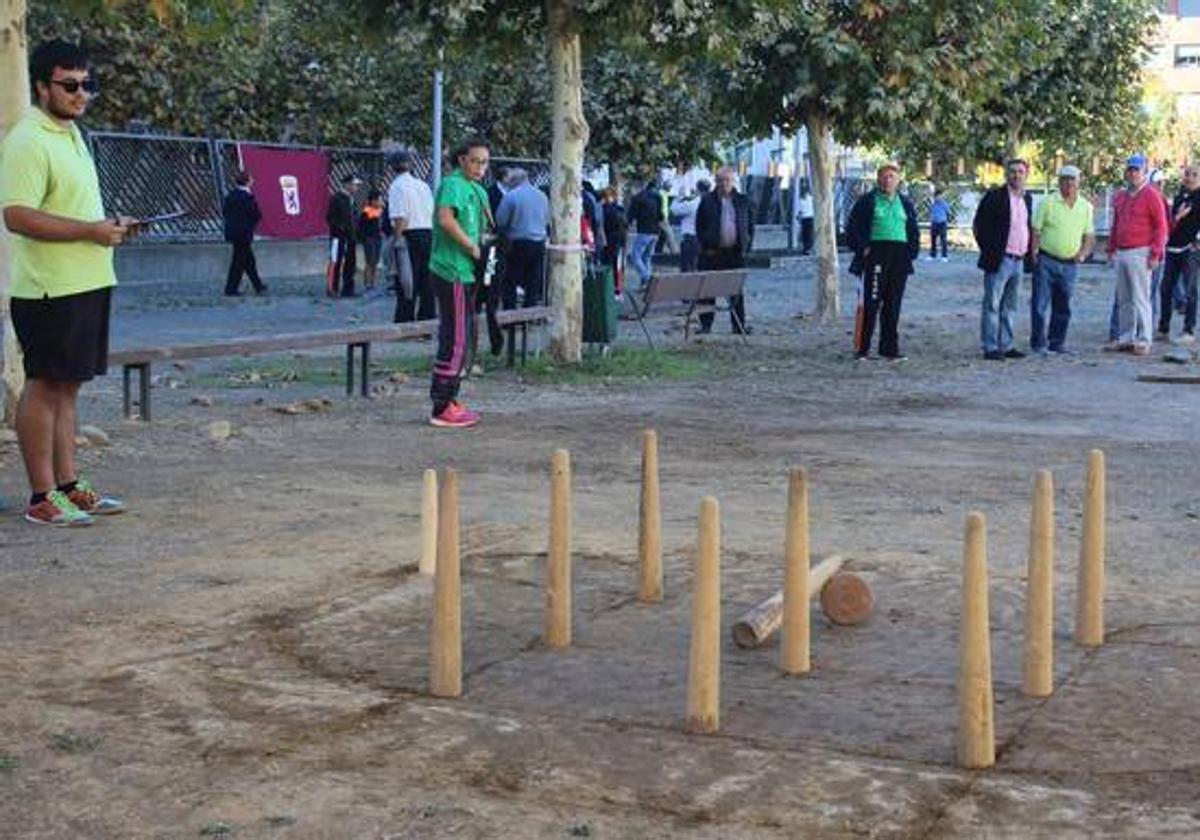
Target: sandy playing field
{"x": 245, "y": 653}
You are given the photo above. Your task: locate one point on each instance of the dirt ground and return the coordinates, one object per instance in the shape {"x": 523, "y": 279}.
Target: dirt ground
{"x": 244, "y": 653}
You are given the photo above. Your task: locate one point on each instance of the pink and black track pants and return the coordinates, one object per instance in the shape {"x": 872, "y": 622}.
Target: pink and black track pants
{"x": 456, "y": 319}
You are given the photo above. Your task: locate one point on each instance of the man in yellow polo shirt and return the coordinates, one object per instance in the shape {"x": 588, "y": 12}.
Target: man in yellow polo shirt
{"x": 1063, "y": 237}
{"x": 61, "y": 276}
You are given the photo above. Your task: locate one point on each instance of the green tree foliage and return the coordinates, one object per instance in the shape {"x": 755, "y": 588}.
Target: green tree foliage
{"x": 1069, "y": 81}
{"x": 286, "y": 69}
{"x": 644, "y": 112}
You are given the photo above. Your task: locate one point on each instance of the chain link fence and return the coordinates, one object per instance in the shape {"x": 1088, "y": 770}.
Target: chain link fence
{"x": 148, "y": 175}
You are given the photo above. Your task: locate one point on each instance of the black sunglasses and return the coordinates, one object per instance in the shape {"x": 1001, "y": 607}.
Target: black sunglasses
{"x": 73, "y": 85}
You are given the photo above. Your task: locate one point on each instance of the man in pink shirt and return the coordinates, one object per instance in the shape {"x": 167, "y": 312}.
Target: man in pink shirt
{"x": 1136, "y": 241}
{"x": 1001, "y": 228}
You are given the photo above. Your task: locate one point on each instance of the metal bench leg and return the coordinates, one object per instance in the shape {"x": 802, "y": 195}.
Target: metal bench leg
{"x": 512, "y": 345}
{"x": 349, "y": 369}
{"x": 144, "y": 392}
{"x": 741, "y": 327}
{"x": 366, "y": 364}
{"x": 687, "y": 321}
{"x": 126, "y": 395}
{"x": 524, "y": 341}
{"x": 641, "y": 319}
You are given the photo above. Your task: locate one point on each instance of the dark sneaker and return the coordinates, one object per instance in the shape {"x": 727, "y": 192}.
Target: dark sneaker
{"x": 1014, "y": 354}
{"x": 994, "y": 356}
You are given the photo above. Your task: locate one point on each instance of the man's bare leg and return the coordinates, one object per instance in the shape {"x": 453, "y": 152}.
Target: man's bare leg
{"x": 64, "y": 433}
{"x": 36, "y": 432}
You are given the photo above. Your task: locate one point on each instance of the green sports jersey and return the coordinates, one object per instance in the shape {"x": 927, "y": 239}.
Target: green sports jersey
{"x": 469, "y": 201}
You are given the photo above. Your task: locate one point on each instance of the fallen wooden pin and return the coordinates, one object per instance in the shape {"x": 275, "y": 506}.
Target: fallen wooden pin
{"x": 845, "y": 599}
{"x": 1169, "y": 379}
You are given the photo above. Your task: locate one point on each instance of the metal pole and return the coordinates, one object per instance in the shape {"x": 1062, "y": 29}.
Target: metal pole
{"x": 436, "y": 165}
{"x": 794, "y": 227}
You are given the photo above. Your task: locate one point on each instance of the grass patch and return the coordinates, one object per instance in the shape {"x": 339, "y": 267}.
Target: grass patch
{"x": 629, "y": 363}
{"x": 299, "y": 370}
{"x": 216, "y": 829}
{"x": 76, "y": 742}
{"x": 8, "y": 763}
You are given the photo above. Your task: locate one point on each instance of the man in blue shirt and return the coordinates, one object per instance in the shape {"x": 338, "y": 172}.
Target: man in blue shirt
{"x": 523, "y": 218}
{"x": 939, "y": 224}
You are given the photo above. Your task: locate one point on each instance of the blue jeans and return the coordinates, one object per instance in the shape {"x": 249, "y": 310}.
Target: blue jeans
{"x": 1000, "y": 305}
{"x": 642, "y": 253}
{"x": 1053, "y": 282}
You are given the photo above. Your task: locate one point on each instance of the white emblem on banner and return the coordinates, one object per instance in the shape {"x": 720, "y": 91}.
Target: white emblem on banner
{"x": 291, "y": 194}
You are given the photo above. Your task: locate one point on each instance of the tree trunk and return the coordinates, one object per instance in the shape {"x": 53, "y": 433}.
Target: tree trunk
{"x": 820, "y": 146}
{"x": 566, "y": 168}
{"x": 14, "y": 99}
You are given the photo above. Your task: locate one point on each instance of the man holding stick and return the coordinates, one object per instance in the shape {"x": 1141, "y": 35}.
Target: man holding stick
{"x": 62, "y": 278}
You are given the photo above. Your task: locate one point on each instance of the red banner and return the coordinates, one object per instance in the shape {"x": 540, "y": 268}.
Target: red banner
{"x": 292, "y": 188}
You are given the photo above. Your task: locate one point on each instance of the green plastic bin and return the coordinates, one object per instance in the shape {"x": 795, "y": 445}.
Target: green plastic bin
{"x": 599, "y": 306}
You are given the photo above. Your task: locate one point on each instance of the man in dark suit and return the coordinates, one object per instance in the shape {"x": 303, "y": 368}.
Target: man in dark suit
{"x": 242, "y": 216}
{"x": 1003, "y": 233}
{"x": 725, "y": 230}
{"x": 342, "y": 257}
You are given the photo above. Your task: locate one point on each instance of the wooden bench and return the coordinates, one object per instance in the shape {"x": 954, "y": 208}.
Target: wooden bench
{"x": 691, "y": 287}
{"x": 357, "y": 341}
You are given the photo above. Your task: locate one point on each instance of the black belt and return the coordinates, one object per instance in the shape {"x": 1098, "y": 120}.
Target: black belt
{"x": 1014, "y": 256}
{"x": 1056, "y": 259}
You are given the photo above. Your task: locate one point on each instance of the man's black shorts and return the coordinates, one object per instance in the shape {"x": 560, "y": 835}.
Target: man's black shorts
{"x": 64, "y": 339}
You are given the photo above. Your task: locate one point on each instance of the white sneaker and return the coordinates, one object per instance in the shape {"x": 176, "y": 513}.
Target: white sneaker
{"x": 1185, "y": 338}
{"x": 945, "y": 259}
{"x": 929, "y": 259}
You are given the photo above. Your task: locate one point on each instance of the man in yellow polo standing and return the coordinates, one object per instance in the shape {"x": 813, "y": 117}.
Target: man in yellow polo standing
{"x": 1063, "y": 237}
{"x": 62, "y": 278}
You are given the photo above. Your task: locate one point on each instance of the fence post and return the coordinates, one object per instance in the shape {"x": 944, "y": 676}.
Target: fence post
{"x": 218, "y": 170}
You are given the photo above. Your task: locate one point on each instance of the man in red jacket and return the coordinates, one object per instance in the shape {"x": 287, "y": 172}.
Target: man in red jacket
{"x": 1137, "y": 239}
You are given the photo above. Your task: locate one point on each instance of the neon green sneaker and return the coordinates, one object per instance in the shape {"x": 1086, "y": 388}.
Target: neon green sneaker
{"x": 57, "y": 509}
{"x": 85, "y": 497}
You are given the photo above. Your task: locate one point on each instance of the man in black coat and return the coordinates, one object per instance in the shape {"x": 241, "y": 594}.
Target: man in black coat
{"x": 241, "y": 214}
{"x": 343, "y": 260}
{"x": 1003, "y": 252}
{"x": 882, "y": 232}
{"x": 725, "y": 231}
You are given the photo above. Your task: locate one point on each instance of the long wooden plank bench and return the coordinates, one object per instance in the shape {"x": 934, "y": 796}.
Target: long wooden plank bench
{"x": 357, "y": 340}
{"x": 690, "y": 287}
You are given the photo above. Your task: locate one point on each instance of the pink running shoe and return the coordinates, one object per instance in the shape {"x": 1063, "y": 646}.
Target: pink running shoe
{"x": 455, "y": 416}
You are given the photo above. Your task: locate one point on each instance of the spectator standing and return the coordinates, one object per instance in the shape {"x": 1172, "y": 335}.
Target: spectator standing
{"x": 370, "y": 234}
{"x": 1137, "y": 239}
{"x": 725, "y": 229}
{"x": 1063, "y": 236}
{"x": 241, "y": 214}
{"x": 339, "y": 276}
{"x": 646, "y": 215}
{"x": 1182, "y": 256}
{"x": 523, "y": 219}
{"x": 616, "y": 233}
{"x": 939, "y": 225}
{"x": 410, "y": 205}
{"x": 61, "y": 273}
{"x": 462, "y": 213}
{"x": 883, "y": 233}
{"x": 685, "y": 210}
{"x": 1002, "y": 232}
{"x": 806, "y": 220}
